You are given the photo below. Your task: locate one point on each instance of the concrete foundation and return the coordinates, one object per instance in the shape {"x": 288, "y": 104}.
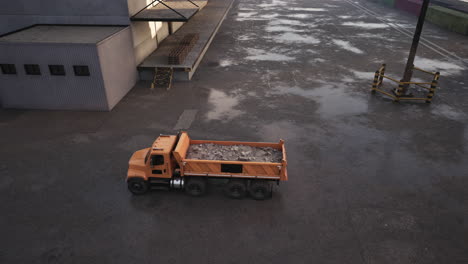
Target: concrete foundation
{"x": 447, "y": 18}
{"x": 206, "y": 23}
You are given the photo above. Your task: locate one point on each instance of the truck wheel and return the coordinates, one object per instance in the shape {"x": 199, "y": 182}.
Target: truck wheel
{"x": 137, "y": 185}
{"x": 236, "y": 189}
{"x": 195, "y": 187}
{"x": 260, "y": 190}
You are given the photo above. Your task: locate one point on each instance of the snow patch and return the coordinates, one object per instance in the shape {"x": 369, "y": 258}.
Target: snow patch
{"x": 346, "y": 45}
{"x": 263, "y": 55}
{"x": 365, "y": 25}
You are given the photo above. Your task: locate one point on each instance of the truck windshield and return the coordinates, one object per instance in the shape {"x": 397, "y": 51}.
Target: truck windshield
{"x": 147, "y": 155}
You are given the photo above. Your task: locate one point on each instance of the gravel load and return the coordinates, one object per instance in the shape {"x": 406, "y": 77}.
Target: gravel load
{"x": 212, "y": 151}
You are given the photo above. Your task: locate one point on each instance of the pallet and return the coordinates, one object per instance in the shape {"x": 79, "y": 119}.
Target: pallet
{"x": 163, "y": 78}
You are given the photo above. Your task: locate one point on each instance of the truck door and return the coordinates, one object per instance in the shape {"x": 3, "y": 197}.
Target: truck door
{"x": 159, "y": 166}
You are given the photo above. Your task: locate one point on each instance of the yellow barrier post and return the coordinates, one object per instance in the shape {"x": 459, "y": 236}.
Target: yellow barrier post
{"x": 399, "y": 91}
{"x": 434, "y": 83}
{"x": 382, "y": 73}
{"x": 374, "y": 84}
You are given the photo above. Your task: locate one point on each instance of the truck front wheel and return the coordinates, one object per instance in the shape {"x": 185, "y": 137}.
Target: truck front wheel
{"x": 260, "y": 190}
{"x": 196, "y": 186}
{"x": 137, "y": 185}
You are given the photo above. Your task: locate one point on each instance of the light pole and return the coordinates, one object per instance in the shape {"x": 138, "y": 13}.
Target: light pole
{"x": 414, "y": 47}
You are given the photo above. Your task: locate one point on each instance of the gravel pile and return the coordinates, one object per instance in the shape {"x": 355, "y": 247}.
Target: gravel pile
{"x": 234, "y": 153}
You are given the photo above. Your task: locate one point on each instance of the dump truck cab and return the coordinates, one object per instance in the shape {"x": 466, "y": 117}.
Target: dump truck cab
{"x": 160, "y": 162}
{"x": 155, "y": 162}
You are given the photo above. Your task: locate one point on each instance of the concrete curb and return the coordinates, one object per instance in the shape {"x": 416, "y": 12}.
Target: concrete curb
{"x": 450, "y": 19}
{"x": 445, "y": 17}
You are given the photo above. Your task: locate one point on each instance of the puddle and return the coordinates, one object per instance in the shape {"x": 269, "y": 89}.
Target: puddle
{"x": 447, "y": 111}
{"x": 436, "y": 37}
{"x": 346, "y": 45}
{"x": 241, "y": 19}
{"x": 274, "y": 3}
{"x": 404, "y": 25}
{"x": 295, "y": 38}
{"x": 222, "y": 106}
{"x": 246, "y": 14}
{"x": 310, "y": 9}
{"x": 365, "y": 25}
{"x": 317, "y": 60}
{"x": 252, "y": 16}
{"x": 226, "y": 63}
{"x": 445, "y": 68}
{"x": 263, "y": 55}
{"x": 347, "y": 79}
{"x": 290, "y": 132}
{"x": 290, "y": 22}
{"x": 268, "y": 16}
{"x": 364, "y": 75}
{"x": 81, "y": 139}
{"x": 282, "y": 29}
{"x": 300, "y": 16}
{"x": 333, "y": 99}
{"x": 375, "y": 36}
{"x": 245, "y": 37}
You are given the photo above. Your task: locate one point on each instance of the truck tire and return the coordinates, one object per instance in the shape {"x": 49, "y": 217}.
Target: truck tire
{"x": 196, "y": 186}
{"x": 260, "y": 190}
{"x": 236, "y": 189}
{"x": 137, "y": 185}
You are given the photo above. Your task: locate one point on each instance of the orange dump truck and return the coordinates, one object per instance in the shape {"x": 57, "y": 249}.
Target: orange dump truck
{"x": 165, "y": 165}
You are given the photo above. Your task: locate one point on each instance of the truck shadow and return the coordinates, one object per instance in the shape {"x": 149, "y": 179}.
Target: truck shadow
{"x": 214, "y": 198}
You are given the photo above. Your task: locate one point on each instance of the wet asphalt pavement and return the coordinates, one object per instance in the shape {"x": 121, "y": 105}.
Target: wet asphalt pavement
{"x": 370, "y": 181}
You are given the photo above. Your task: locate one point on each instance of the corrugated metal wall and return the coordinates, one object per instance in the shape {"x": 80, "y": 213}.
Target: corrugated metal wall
{"x": 147, "y": 36}
{"x": 46, "y": 91}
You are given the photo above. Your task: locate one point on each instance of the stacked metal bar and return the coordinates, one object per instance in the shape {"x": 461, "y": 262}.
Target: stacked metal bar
{"x": 178, "y": 54}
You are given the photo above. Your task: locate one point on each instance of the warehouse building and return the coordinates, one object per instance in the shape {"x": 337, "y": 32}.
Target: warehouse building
{"x": 67, "y": 67}
{"x": 81, "y": 55}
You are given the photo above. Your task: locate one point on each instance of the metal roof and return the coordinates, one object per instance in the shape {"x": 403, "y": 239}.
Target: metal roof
{"x": 174, "y": 10}
{"x": 62, "y": 34}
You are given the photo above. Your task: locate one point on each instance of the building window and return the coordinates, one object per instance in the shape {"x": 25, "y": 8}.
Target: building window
{"x": 57, "y": 69}
{"x": 8, "y": 68}
{"x": 81, "y": 70}
{"x": 32, "y": 69}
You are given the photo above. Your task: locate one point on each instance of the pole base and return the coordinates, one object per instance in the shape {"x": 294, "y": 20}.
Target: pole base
{"x": 407, "y": 94}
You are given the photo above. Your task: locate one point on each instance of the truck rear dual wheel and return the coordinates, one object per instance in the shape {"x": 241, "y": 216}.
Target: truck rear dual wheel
{"x": 236, "y": 189}
{"x": 137, "y": 185}
{"x": 260, "y": 190}
{"x": 196, "y": 187}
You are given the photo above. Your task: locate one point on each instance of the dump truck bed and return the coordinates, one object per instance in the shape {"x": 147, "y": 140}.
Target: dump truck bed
{"x": 228, "y": 168}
